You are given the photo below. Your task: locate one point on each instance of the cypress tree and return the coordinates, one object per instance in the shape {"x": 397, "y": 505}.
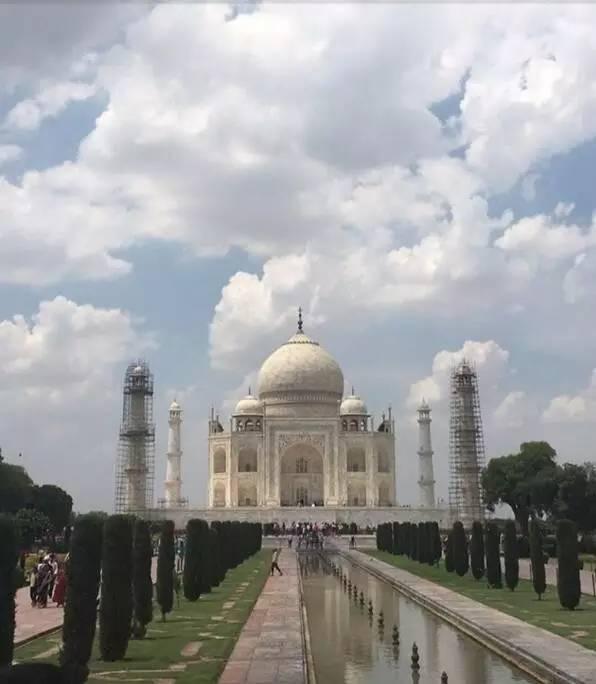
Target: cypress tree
{"x": 477, "y": 550}
{"x": 166, "y": 557}
{"x": 493, "y": 556}
{"x": 213, "y": 559}
{"x": 142, "y": 585}
{"x": 115, "y": 609}
{"x": 430, "y": 542}
{"x": 461, "y": 561}
{"x": 9, "y": 555}
{"x": 414, "y": 541}
{"x": 437, "y": 543}
{"x": 80, "y": 607}
{"x": 449, "y": 560}
{"x": 511, "y": 555}
{"x": 420, "y": 546}
{"x": 396, "y": 547}
{"x": 568, "y": 581}
{"x": 217, "y": 556}
{"x": 537, "y": 559}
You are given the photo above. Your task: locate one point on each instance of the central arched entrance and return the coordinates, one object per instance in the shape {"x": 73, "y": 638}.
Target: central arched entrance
{"x": 302, "y": 479}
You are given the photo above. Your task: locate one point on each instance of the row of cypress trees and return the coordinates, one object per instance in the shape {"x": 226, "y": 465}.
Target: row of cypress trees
{"x": 418, "y": 541}
{"x": 482, "y": 555}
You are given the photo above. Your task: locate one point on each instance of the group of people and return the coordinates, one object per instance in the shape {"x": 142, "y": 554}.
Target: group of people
{"x": 47, "y": 580}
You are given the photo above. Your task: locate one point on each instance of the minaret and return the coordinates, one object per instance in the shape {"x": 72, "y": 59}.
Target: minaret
{"x": 173, "y": 482}
{"x": 426, "y": 482}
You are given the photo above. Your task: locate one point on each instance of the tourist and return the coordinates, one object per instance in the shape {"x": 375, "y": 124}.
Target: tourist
{"x": 274, "y": 565}
{"x": 59, "y": 587}
{"x": 290, "y": 542}
{"x": 54, "y": 567}
{"x": 352, "y": 542}
{"x": 33, "y": 586}
{"x": 44, "y": 580}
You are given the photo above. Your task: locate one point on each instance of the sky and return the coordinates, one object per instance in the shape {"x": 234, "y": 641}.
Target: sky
{"x": 176, "y": 179}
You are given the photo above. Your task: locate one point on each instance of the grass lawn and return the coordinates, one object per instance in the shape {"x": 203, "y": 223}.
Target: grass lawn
{"x": 579, "y": 625}
{"x": 194, "y": 643}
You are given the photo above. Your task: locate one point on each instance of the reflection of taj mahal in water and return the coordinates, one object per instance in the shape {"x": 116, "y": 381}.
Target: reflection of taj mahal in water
{"x": 298, "y": 443}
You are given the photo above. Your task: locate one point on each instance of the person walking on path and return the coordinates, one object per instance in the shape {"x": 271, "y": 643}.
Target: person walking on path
{"x": 60, "y": 587}
{"x": 33, "y": 586}
{"x": 274, "y": 565}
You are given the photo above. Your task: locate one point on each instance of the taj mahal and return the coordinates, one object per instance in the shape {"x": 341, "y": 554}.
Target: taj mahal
{"x": 301, "y": 449}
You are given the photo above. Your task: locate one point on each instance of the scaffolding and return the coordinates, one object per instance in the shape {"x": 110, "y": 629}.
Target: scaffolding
{"x": 466, "y": 446}
{"x": 135, "y": 466}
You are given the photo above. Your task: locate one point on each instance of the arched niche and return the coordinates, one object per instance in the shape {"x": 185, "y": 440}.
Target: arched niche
{"x": 356, "y": 461}
{"x": 384, "y": 498}
{"x": 219, "y": 460}
{"x": 247, "y": 460}
{"x": 356, "y": 494}
{"x": 302, "y": 478}
{"x": 247, "y": 494}
{"x": 382, "y": 461}
{"x": 219, "y": 494}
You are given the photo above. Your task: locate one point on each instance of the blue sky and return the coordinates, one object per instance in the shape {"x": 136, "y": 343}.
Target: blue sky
{"x": 174, "y": 184}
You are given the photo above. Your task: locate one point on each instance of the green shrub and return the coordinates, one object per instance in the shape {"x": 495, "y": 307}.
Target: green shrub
{"x": 477, "y": 551}
{"x": 511, "y": 557}
{"x": 115, "y": 609}
{"x": 460, "y": 549}
{"x": 449, "y": 560}
{"x": 166, "y": 558}
{"x": 142, "y": 585}
{"x": 493, "y": 556}
{"x": 421, "y": 542}
{"x": 537, "y": 559}
{"x": 437, "y": 543}
{"x": 568, "y": 580}
{"x": 9, "y": 556}
{"x": 414, "y": 541}
{"x": 396, "y": 542}
{"x": 82, "y": 587}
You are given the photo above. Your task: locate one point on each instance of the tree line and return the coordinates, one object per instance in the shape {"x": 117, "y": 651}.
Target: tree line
{"x": 479, "y": 553}
{"x": 112, "y": 559}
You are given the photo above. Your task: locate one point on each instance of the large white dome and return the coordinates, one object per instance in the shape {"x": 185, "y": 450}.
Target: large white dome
{"x": 301, "y": 370}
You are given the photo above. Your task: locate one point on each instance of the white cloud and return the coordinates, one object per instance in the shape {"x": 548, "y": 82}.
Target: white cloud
{"x": 9, "y": 153}
{"x": 571, "y": 409}
{"x": 515, "y": 411}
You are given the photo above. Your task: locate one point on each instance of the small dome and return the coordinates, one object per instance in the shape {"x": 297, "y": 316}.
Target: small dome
{"x": 174, "y": 406}
{"x": 353, "y": 406}
{"x": 249, "y": 406}
{"x": 301, "y": 367}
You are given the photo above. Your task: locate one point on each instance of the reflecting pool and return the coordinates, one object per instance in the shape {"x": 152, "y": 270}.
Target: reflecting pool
{"x": 347, "y": 646}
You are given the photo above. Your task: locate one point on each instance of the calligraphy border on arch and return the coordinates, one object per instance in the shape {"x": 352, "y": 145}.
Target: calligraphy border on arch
{"x": 288, "y": 439}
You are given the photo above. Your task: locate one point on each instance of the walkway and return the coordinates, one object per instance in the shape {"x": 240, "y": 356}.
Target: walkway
{"x": 32, "y": 622}
{"x": 270, "y": 650}
{"x": 547, "y": 656}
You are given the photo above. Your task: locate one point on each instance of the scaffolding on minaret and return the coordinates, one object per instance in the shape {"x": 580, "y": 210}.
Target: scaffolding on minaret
{"x": 135, "y": 466}
{"x": 466, "y": 446}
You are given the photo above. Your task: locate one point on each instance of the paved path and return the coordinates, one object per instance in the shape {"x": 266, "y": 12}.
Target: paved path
{"x": 33, "y": 621}
{"x": 269, "y": 650}
{"x": 588, "y": 586}
{"x": 548, "y": 656}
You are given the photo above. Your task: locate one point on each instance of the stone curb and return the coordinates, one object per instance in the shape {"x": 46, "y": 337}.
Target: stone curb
{"x": 538, "y": 668}
{"x": 307, "y": 658}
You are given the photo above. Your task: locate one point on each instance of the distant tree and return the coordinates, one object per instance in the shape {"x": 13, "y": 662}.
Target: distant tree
{"x": 511, "y": 555}
{"x": 568, "y": 580}
{"x": 82, "y": 588}
{"x": 9, "y": 554}
{"x": 192, "y": 560}
{"x": 449, "y": 559}
{"x": 53, "y": 502}
{"x": 477, "y": 550}
{"x": 537, "y": 559}
{"x": 142, "y": 584}
{"x": 576, "y": 495}
{"x": 32, "y": 525}
{"x": 15, "y": 488}
{"x": 460, "y": 549}
{"x": 165, "y": 569}
{"x": 493, "y": 556}
{"x": 525, "y": 481}
{"x": 115, "y": 610}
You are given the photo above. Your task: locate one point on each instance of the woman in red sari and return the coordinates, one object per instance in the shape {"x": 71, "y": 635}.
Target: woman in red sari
{"x": 60, "y": 587}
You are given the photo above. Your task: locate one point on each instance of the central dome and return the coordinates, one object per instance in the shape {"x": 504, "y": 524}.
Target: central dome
{"x": 301, "y": 369}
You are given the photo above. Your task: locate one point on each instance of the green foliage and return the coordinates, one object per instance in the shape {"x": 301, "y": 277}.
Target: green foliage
{"x": 80, "y": 608}
{"x": 193, "y": 559}
{"x": 115, "y": 610}
{"x": 142, "y": 585}
{"x": 15, "y": 487}
{"x": 449, "y": 558}
{"x": 576, "y": 495}
{"x": 568, "y": 581}
{"x": 414, "y": 541}
{"x": 511, "y": 555}
{"x": 396, "y": 540}
{"x": 53, "y": 502}
{"x": 166, "y": 558}
{"x": 537, "y": 559}
{"x": 493, "y": 556}
{"x": 477, "y": 550}
{"x": 221, "y": 548}
{"x": 32, "y": 525}
{"x": 525, "y": 481}
{"x": 436, "y": 542}
{"x": 461, "y": 561}
{"x": 8, "y": 563}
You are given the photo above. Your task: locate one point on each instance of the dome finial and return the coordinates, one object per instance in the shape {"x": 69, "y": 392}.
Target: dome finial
{"x": 300, "y": 319}
{"x": 352, "y": 390}
{"x": 249, "y": 391}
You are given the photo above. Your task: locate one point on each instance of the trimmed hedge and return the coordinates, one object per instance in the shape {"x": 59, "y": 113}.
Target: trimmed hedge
{"x": 8, "y": 562}
{"x": 166, "y": 558}
{"x": 142, "y": 585}
{"x": 511, "y": 555}
{"x": 493, "y": 556}
{"x": 461, "y": 560}
{"x": 477, "y": 551}
{"x": 537, "y": 559}
{"x": 568, "y": 581}
{"x": 449, "y": 559}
